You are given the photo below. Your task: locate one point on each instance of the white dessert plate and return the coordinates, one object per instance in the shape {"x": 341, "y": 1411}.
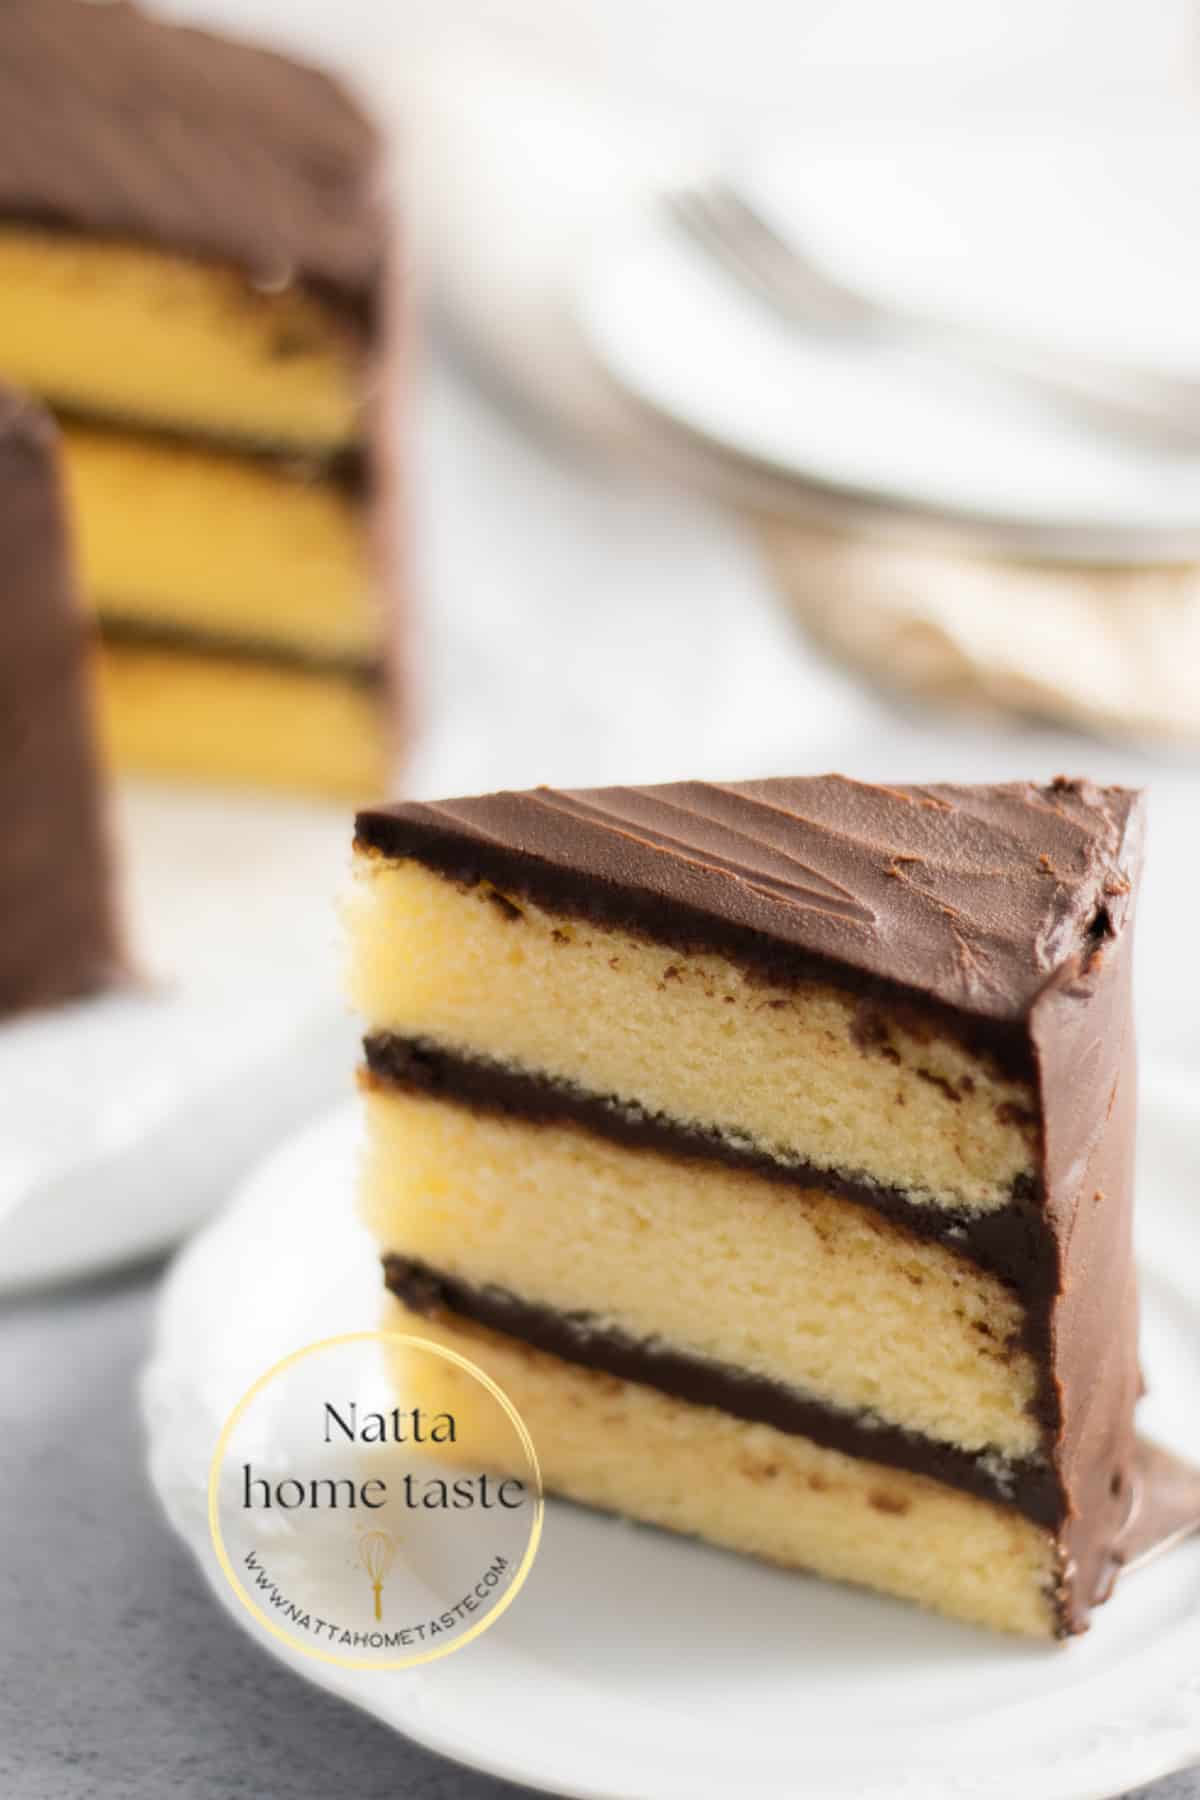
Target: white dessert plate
{"x": 1067, "y": 232}
{"x": 637, "y": 1664}
{"x": 125, "y": 1119}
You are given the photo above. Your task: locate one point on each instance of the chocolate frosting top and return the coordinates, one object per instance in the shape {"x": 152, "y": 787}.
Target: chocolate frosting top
{"x": 968, "y": 896}
{"x": 116, "y": 124}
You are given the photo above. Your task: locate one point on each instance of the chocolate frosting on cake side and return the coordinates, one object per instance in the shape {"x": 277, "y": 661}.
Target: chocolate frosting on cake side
{"x": 116, "y": 124}
{"x": 58, "y": 936}
{"x": 1001, "y": 913}
{"x": 1081, "y": 1026}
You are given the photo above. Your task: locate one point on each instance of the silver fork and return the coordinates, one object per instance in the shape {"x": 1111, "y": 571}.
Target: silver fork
{"x": 798, "y": 289}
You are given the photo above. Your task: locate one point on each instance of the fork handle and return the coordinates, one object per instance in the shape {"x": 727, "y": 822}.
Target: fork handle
{"x": 1162, "y": 407}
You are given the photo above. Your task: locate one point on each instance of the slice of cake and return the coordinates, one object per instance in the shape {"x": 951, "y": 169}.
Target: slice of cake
{"x": 770, "y": 1145}
{"x": 58, "y": 934}
{"x": 194, "y": 273}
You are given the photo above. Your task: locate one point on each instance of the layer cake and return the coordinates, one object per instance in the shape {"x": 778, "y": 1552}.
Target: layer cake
{"x": 58, "y": 933}
{"x": 770, "y": 1144}
{"x": 194, "y": 274}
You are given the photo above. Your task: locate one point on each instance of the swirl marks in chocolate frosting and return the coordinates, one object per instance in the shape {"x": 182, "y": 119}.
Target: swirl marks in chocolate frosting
{"x": 969, "y": 897}
{"x": 770, "y": 869}
{"x": 117, "y": 124}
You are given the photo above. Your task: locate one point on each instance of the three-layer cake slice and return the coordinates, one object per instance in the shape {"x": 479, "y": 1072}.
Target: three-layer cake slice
{"x": 771, "y": 1145}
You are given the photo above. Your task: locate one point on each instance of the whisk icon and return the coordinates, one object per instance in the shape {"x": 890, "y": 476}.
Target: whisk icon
{"x": 376, "y": 1552}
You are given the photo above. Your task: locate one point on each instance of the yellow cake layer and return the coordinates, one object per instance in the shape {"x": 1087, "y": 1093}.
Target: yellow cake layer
{"x": 628, "y": 1449}
{"x": 123, "y": 331}
{"x": 209, "y": 542}
{"x": 693, "y": 1038}
{"x": 221, "y": 719}
{"x": 793, "y": 1285}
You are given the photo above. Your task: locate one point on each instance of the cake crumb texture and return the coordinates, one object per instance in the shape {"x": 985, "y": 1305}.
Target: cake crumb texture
{"x": 624, "y": 1448}
{"x": 209, "y": 717}
{"x": 173, "y": 537}
{"x": 136, "y": 333}
{"x": 799, "y": 1072}
{"x": 788, "y": 1283}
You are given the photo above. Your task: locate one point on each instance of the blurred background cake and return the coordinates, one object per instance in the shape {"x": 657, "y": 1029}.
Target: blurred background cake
{"x": 193, "y": 273}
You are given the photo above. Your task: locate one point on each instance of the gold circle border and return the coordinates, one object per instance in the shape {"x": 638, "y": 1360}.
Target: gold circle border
{"x": 385, "y": 1338}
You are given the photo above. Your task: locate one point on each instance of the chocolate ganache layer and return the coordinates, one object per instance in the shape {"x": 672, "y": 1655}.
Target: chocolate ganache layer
{"x": 1027, "y": 1486}
{"x": 142, "y": 634}
{"x": 1158, "y": 1502}
{"x": 116, "y": 124}
{"x": 1013, "y": 1243}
